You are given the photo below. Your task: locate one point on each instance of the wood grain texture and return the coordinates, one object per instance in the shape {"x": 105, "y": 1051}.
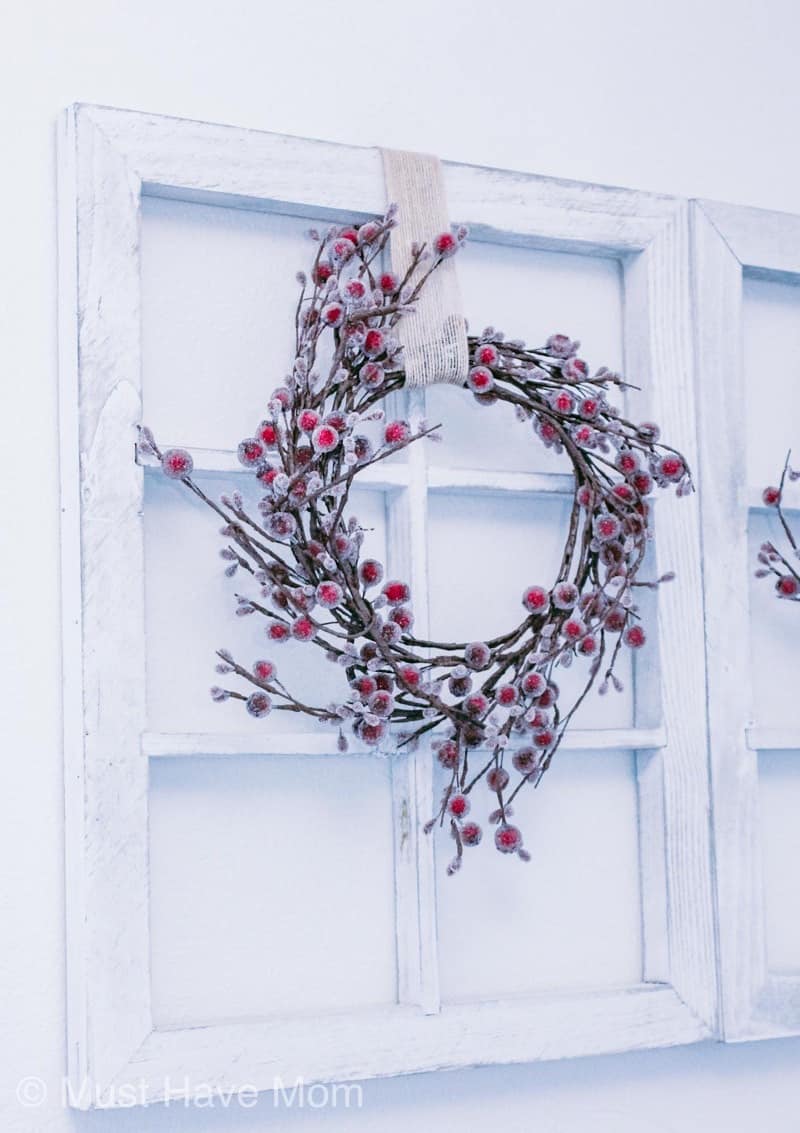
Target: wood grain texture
{"x": 272, "y": 1054}
{"x": 167, "y": 744}
{"x": 726, "y": 241}
{"x": 658, "y": 357}
{"x": 108, "y": 159}
{"x": 107, "y": 911}
{"x": 766, "y": 243}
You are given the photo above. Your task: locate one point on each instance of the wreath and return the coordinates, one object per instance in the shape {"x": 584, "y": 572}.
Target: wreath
{"x": 495, "y": 703}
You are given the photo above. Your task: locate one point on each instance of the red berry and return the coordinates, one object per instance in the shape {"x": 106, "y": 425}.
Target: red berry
{"x": 771, "y": 496}
{"x": 508, "y": 839}
{"x": 397, "y": 433}
{"x": 573, "y": 629}
{"x": 634, "y": 637}
{"x": 258, "y": 704}
{"x": 321, "y": 273}
{"x": 526, "y": 760}
{"x": 355, "y": 289}
{"x": 506, "y": 695}
{"x": 370, "y": 572}
{"x": 371, "y": 734}
{"x": 615, "y": 619}
{"x": 325, "y": 438}
{"x": 381, "y": 703}
{"x": 389, "y": 282}
{"x": 627, "y": 462}
{"x": 448, "y": 754}
{"x": 445, "y": 244}
{"x": 277, "y": 632}
{"x": 176, "y": 463}
{"x": 563, "y": 402}
{"x": 480, "y": 380}
{"x": 371, "y": 375}
{"x": 374, "y": 343}
{"x": 534, "y": 684}
{"x": 308, "y": 420}
{"x": 329, "y": 594}
{"x": 333, "y": 314}
{"x": 396, "y": 592}
{"x": 787, "y": 586}
{"x": 409, "y": 676}
{"x": 536, "y": 600}
{"x": 477, "y": 655}
{"x": 303, "y": 629}
{"x": 403, "y": 616}
{"x": 458, "y": 805}
{"x": 366, "y": 685}
{"x": 264, "y": 670}
{"x": 671, "y": 467}
{"x": 268, "y": 434}
{"x": 471, "y": 834}
{"x": 497, "y": 779}
{"x": 543, "y": 737}
{"x": 486, "y": 354}
{"x": 476, "y": 705}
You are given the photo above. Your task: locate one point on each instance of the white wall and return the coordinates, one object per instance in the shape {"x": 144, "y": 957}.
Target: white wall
{"x": 683, "y": 96}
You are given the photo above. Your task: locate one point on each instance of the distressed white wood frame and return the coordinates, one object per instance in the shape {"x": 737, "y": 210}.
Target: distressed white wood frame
{"x": 109, "y": 158}
{"x": 729, "y": 243}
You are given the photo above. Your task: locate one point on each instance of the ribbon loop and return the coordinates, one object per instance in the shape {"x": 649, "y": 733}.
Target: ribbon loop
{"x": 434, "y": 337}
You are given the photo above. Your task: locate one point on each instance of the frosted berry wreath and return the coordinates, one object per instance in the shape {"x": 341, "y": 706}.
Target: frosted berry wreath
{"x": 497, "y": 701}
{"x": 772, "y": 561}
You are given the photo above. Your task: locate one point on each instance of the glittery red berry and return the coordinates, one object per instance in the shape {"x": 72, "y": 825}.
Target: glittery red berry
{"x": 671, "y": 467}
{"x": 396, "y": 592}
{"x": 480, "y": 379}
{"x": 526, "y": 760}
{"x": 477, "y": 704}
{"x": 409, "y": 676}
{"x": 458, "y": 805}
{"x": 634, "y": 637}
{"x": 329, "y": 594}
{"x": 787, "y": 586}
{"x": 370, "y": 572}
{"x": 374, "y": 343}
{"x": 506, "y": 695}
{"x": 397, "y": 432}
{"x": 643, "y": 483}
{"x": 445, "y": 244}
{"x": 508, "y": 839}
{"x": 447, "y": 754}
{"x": 534, "y": 684}
{"x": 477, "y": 655}
{"x": 258, "y": 704}
{"x": 333, "y": 314}
{"x": 325, "y": 438}
{"x": 471, "y": 834}
{"x": 268, "y": 434}
{"x": 277, "y": 632}
{"x": 176, "y": 463}
{"x": 389, "y": 282}
{"x": 308, "y": 420}
{"x": 497, "y": 779}
{"x": 371, "y": 375}
{"x": 264, "y": 670}
{"x": 303, "y": 629}
{"x": 536, "y": 600}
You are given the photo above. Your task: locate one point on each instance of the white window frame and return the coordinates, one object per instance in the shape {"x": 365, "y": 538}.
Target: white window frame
{"x": 729, "y": 243}
{"x": 108, "y": 159}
